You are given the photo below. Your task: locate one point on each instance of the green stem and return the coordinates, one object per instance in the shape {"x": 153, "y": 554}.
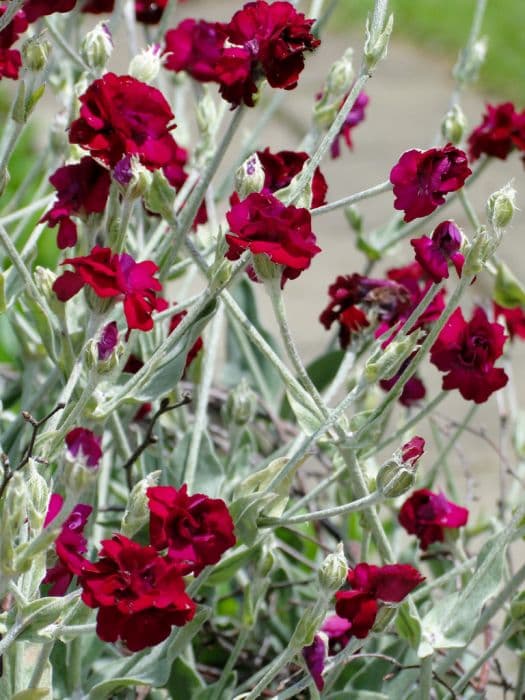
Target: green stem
{"x": 363, "y": 503}
{"x": 273, "y": 669}
{"x": 228, "y": 668}
{"x": 519, "y": 693}
{"x": 353, "y": 198}
{"x": 425, "y": 678}
{"x": 469, "y": 209}
{"x": 40, "y": 664}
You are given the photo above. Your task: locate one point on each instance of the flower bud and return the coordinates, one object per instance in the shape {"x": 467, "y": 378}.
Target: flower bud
{"x": 146, "y": 65}
{"x": 44, "y": 281}
{"x": 508, "y": 292}
{"x": 35, "y": 52}
{"x": 454, "y": 125}
{"x": 160, "y": 197}
{"x": 137, "y": 509}
{"x": 501, "y": 206}
{"x": 470, "y": 61}
{"x": 341, "y": 75}
{"x": 97, "y": 46}
{"x": 398, "y": 475}
{"x": 308, "y": 625}
{"x": 38, "y": 495}
{"x": 385, "y": 361}
{"x": 104, "y": 353}
{"x": 134, "y": 179}
{"x": 376, "y": 42}
{"x": 333, "y": 571}
{"x": 249, "y": 177}
{"x": 240, "y": 405}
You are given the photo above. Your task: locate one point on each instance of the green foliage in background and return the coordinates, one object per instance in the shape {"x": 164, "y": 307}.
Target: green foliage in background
{"x": 443, "y": 25}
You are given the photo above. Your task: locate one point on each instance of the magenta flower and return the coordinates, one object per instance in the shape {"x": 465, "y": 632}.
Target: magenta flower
{"x": 70, "y": 545}
{"x": 412, "y": 451}
{"x": 427, "y": 515}
{"x": 338, "y": 631}
{"x": 421, "y": 179}
{"x": 107, "y": 341}
{"x": 84, "y": 445}
{"x": 467, "y": 351}
{"x": 195, "y": 46}
{"x": 434, "y": 254}
{"x": 315, "y": 657}
{"x": 82, "y": 189}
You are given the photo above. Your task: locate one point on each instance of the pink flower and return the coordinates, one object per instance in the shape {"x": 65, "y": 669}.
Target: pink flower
{"x": 370, "y": 586}
{"x": 121, "y": 116}
{"x": 338, "y": 631}
{"x": 85, "y": 446}
{"x": 514, "y": 320}
{"x": 82, "y": 189}
{"x": 434, "y": 254}
{"x": 113, "y": 275}
{"x": 355, "y": 117}
{"x": 467, "y": 351}
{"x": 428, "y": 514}
{"x": 196, "y": 530}
{"x": 264, "y": 225}
{"x": 496, "y": 135}
{"x": 70, "y": 545}
{"x": 280, "y": 169}
{"x": 421, "y": 179}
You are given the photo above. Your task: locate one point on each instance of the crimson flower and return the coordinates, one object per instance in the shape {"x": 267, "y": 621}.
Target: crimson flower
{"x": 467, "y": 351}
{"x": 354, "y": 299}
{"x": 113, "y": 275}
{"x": 195, "y": 46}
{"x": 427, "y": 514}
{"x": 434, "y": 254}
{"x": 10, "y": 59}
{"x": 498, "y": 133}
{"x": 355, "y": 116}
{"x": 280, "y": 169}
{"x": 70, "y": 545}
{"x": 264, "y": 225}
{"x": 175, "y": 320}
{"x": 371, "y": 586}
{"x": 196, "y": 530}
{"x": 85, "y": 446}
{"x": 139, "y": 594}
{"x": 514, "y": 320}
{"x": 34, "y": 9}
{"x": 82, "y": 189}
{"x": 120, "y": 116}
{"x": 421, "y": 179}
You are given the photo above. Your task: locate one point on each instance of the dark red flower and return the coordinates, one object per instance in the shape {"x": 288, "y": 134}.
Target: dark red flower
{"x": 370, "y": 586}
{"x": 280, "y": 168}
{"x": 434, "y": 254}
{"x": 354, "y": 298}
{"x": 85, "y": 446}
{"x": 197, "y": 345}
{"x": 10, "y": 59}
{"x": 421, "y": 179}
{"x": 113, "y": 275}
{"x": 97, "y": 7}
{"x": 514, "y": 320}
{"x": 496, "y": 134}
{"x": 34, "y": 9}
{"x": 264, "y": 225}
{"x": 196, "y": 530}
{"x": 427, "y": 514}
{"x": 195, "y": 47}
{"x": 355, "y": 116}
{"x": 315, "y": 656}
{"x": 120, "y": 116}
{"x": 82, "y": 189}
{"x": 150, "y": 11}
{"x": 468, "y": 351}
{"x": 140, "y": 595}
{"x": 70, "y": 545}
{"x": 413, "y": 391}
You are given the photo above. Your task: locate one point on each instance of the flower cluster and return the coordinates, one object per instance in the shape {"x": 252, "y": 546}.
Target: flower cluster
{"x": 421, "y": 179}
{"x": 427, "y": 515}
{"x": 264, "y": 225}
{"x": 261, "y": 40}
{"x": 467, "y": 351}
{"x": 501, "y": 131}
{"x": 139, "y": 590}
{"x": 113, "y": 275}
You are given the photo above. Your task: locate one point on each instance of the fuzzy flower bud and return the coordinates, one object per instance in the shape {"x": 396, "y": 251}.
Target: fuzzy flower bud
{"x": 35, "y": 52}
{"x": 333, "y": 571}
{"x": 103, "y": 354}
{"x": 240, "y": 405}
{"x": 501, "y": 206}
{"x": 97, "y": 46}
{"x": 132, "y": 176}
{"x": 249, "y": 177}
{"x": 44, "y": 281}
{"x": 38, "y": 495}
{"x": 376, "y": 42}
{"x": 337, "y": 85}
{"x": 454, "y": 125}
{"x": 398, "y": 475}
{"x": 160, "y": 197}
{"x": 137, "y": 510}
{"x": 146, "y": 65}
{"x": 385, "y": 361}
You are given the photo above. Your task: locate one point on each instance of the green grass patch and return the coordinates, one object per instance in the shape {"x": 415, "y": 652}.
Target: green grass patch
{"x": 444, "y": 25}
